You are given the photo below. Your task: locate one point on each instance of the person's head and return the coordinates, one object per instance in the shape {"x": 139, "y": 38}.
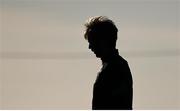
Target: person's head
{"x": 101, "y": 34}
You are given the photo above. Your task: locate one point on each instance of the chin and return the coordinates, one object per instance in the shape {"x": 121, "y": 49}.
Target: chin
{"x": 98, "y": 56}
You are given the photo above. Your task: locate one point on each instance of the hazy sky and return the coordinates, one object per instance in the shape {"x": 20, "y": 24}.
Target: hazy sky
{"x": 61, "y": 21}
{"x": 46, "y": 63}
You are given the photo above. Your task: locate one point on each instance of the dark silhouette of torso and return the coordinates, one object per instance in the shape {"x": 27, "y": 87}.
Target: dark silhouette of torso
{"x": 113, "y": 88}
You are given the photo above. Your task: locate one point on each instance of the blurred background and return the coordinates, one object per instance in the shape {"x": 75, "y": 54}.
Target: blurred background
{"x": 45, "y": 62}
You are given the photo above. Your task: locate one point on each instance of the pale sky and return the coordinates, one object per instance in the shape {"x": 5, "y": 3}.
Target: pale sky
{"x": 46, "y": 64}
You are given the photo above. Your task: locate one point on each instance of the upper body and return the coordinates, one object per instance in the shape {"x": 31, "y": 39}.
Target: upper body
{"x": 113, "y": 87}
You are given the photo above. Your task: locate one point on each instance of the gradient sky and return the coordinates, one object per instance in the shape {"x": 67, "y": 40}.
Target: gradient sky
{"x": 46, "y": 64}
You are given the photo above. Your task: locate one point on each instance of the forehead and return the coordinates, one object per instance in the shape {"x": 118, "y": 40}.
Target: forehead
{"x": 93, "y": 35}
{"x": 93, "y": 38}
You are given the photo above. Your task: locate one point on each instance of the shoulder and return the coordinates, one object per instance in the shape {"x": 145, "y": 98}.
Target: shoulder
{"x": 119, "y": 68}
{"x": 119, "y": 62}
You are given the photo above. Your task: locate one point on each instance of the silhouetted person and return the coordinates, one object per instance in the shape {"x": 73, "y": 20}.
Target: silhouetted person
{"x": 113, "y": 88}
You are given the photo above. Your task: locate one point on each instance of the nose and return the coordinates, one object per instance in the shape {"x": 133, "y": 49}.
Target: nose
{"x": 90, "y": 47}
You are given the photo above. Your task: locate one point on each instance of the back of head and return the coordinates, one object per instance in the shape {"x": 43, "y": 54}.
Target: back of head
{"x": 101, "y": 28}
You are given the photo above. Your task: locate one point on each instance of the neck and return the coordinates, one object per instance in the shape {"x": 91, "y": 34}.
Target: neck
{"x": 109, "y": 56}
